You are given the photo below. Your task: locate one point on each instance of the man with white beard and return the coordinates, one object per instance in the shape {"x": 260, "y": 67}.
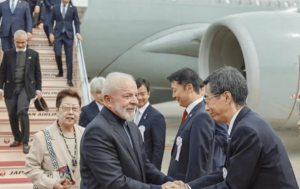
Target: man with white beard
{"x": 113, "y": 154}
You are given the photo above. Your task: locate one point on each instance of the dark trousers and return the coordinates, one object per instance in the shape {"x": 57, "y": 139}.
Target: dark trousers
{"x": 46, "y": 22}
{"x": 63, "y": 39}
{"x": 17, "y": 108}
{"x": 7, "y": 42}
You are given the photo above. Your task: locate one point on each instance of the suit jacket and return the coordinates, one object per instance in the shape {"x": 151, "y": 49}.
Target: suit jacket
{"x": 154, "y": 135}
{"x": 88, "y": 113}
{"x": 50, "y": 3}
{"x": 38, "y": 159}
{"x": 256, "y": 158}
{"x": 108, "y": 160}
{"x": 70, "y": 16}
{"x": 32, "y": 74}
{"x": 196, "y": 155}
{"x": 20, "y": 19}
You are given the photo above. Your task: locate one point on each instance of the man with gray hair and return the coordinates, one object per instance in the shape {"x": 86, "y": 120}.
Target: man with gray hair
{"x": 114, "y": 154}
{"x": 20, "y": 78}
{"x": 90, "y": 111}
{"x": 255, "y": 155}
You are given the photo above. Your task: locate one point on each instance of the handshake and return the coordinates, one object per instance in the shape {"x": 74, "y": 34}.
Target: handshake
{"x": 175, "y": 185}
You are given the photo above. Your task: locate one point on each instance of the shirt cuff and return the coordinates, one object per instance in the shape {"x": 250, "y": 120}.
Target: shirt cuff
{"x": 1, "y": 90}
{"x": 38, "y": 91}
{"x": 37, "y": 6}
{"x": 77, "y": 33}
{"x": 188, "y": 186}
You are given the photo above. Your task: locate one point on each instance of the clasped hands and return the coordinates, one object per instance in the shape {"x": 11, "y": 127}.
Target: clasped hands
{"x": 177, "y": 184}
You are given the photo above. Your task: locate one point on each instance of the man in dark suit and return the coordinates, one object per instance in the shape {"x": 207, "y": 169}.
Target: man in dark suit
{"x": 64, "y": 15}
{"x": 255, "y": 155}
{"x": 48, "y": 8}
{"x": 151, "y": 123}
{"x": 114, "y": 154}
{"x": 90, "y": 111}
{"x": 20, "y": 78}
{"x": 193, "y": 148}
{"x": 15, "y": 16}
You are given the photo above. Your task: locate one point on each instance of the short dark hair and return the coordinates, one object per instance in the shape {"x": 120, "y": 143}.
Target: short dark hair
{"x": 64, "y": 93}
{"x": 185, "y": 76}
{"x": 228, "y": 79}
{"x": 141, "y": 81}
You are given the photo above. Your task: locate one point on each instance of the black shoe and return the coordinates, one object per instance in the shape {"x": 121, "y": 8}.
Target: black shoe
{"x": 15, "y": 144}
{"x": 59, "y": 75}
{"x": 70, "y": 83}
{"x": 25, "y": 148}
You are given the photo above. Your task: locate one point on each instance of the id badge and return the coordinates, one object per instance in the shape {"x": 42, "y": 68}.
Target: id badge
{"x": 55, "y": 175}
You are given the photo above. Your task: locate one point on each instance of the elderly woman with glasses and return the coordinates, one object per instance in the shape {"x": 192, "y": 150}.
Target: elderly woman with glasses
{"x": 53, "y": 160}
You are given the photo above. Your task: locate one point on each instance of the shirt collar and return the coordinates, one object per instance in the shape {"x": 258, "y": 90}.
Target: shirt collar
{"x": 100, "y": 106}
{"x": 193, "y": 104}
{"x": 21, "y": 51}
{"x": 142, "y": 109}
{"x": 232, "y": 121}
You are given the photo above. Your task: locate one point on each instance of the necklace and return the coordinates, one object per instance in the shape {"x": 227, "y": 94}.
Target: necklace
{"x": 74, "y": 160}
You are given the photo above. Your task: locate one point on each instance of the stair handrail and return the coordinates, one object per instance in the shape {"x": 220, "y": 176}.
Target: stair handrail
{"x": 83, "y": 74}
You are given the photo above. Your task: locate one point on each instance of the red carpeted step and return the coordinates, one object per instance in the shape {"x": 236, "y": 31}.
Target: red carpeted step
{"x": 15, "y": 180}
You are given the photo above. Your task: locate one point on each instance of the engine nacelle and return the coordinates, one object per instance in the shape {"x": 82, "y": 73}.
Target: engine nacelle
{"x": 266, "y": 45}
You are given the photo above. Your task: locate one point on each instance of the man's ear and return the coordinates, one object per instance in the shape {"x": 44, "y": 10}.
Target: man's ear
{"x": 107, "y": 101}
{"x": 228, "y": 97}
{"x": 189, "y": 87}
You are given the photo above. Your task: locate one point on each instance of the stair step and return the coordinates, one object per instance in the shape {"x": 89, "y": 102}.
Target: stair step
{"x": 12, "y": 154}
{"x": 35, "y": 125}
{"x": 12, "y": 170}
{"x": 16, "y": 184}
{"x": 6, "y": 138}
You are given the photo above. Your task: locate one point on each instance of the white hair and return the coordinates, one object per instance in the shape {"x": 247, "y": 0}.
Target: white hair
{"x": 20, "y": 33}
{"x": 97, "y": 84}
{"x": 113, "y": 82}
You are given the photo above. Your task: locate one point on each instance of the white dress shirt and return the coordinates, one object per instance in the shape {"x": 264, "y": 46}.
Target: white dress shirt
{"x": 140, "y": 112}
{"x": 193, "y": 104}
{"x": 232, "y": 121}
{"x": 100, "y": 106}
{"x": 62, "y": 8}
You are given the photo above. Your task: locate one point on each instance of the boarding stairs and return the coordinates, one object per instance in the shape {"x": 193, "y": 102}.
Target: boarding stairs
{"x": 12, "y": 160}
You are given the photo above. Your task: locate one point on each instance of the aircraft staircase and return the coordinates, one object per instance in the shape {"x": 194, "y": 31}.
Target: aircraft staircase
{"x": 12, "y": 160}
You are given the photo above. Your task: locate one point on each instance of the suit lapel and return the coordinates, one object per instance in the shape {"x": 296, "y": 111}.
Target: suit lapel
{"x": 186, "y": 121}
{"x": 27, "y": 61}
{"x": 13, "y": 60}
{"x": 135, "y": 142}
{"x": 145, "y": 115}
{"x": 241, "y": 114}
{"x": 95, "y": 108}
{"x": 121, "y": 132}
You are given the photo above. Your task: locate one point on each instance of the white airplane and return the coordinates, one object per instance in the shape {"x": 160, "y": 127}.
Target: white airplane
{"x": 153, "y": 38}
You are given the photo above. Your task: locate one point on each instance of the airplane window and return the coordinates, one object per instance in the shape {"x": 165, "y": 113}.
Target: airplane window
{"x": 258, "y": 2}
{"x": 286, "y": 4}
{"x": 228, "y": 1}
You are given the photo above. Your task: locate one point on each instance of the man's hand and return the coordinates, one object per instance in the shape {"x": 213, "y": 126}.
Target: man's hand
{"x": 170, "y": 185}
{"x": 59, "y": 185}
{"x": 29, "y": 35}
{"x": 79, "y": 37}
{"x": 36, "y": 10}
{"x": 181, "y": 184}
{"x": 1, "y": 95}
{"x": 51, "y": 38}
{"x": 38, "y": 95}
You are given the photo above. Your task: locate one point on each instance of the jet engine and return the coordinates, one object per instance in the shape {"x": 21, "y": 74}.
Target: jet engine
{"x": 265, "y": 47}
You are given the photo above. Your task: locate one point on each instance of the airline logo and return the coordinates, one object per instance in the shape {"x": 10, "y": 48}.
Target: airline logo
{"x": 6, "y": 140}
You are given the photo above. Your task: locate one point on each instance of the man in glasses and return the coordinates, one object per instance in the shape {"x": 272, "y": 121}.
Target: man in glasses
{"x": 193, "y": 148}
{"x": 255, "y": 155}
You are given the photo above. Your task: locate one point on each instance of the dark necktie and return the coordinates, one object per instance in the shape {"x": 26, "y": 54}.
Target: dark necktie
{"x": 183, "y": 116}
{"x": 12, "y": 6}
{"x": 125, "y": 126}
